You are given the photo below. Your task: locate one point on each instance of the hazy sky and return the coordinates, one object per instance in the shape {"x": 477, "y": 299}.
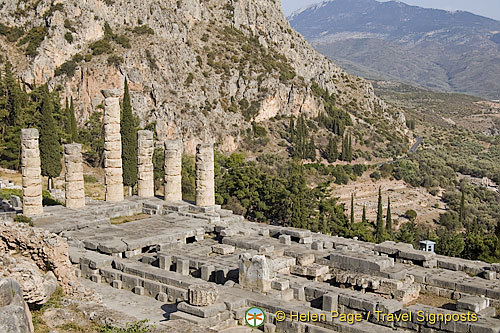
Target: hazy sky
{"x": 488, "y": 8}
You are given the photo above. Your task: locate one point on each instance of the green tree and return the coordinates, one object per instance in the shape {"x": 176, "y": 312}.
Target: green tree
{"x": 363, "y": 217}
{"x": 128, "y": 132}
{"x": 462, "y": 208}
{"x": 50, "y": 147}
{"x": 332, "y": 153}
{"x": 72, "y": 120}
{"x": 379, "y": 231}
{"x": 388, "y": 222}
{"x": 450, "y": 243}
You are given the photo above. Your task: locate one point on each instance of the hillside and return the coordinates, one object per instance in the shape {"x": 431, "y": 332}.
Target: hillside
{"x": 437, "y": 49}
{"x": 198, "y": 70}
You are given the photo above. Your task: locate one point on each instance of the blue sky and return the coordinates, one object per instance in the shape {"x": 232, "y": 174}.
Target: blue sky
{"x": 488, "y": 8}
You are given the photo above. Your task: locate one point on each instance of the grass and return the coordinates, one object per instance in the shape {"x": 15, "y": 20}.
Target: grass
{"x": 126, "y": 219}
{"x": 54, "y": 302}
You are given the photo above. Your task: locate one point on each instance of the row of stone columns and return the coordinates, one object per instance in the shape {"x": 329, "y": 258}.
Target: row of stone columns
{"x": 113, "y": 172}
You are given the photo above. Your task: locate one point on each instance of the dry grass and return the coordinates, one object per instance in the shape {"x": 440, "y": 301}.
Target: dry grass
{"x": 126, "y": 219}
{"x": 435, "y": 301}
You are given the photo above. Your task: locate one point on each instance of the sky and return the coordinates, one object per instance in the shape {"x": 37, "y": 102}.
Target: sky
{"x": 488, "y": 8}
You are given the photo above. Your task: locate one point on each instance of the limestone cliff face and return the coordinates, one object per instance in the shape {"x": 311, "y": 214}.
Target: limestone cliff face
{"x": 209, "y": 68}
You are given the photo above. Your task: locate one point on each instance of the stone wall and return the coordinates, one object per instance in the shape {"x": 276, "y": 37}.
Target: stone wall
{"x": 205, "y": 182}
{"x": 113, "y": 172}
{"x": 145, "y": 170}
{"x": 31, "y": 171}
{"x": 173, "y": 170}
{"x": 75, "y": 191}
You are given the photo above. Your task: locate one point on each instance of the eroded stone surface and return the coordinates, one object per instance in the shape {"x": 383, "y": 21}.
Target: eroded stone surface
{"x": 113, "y": 173}
{"x": 75, "y": 189}
{"x": 203, "y": 294}
{"x": 145, "y": 169}
{"x": 31, "y": 171}
{"x": 205, "y": 186}
{"x": 173, "y": 170}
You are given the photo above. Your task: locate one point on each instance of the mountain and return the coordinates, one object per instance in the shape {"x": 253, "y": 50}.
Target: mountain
{"x": 448, "y": 51}
{"x": 200, "y": 70}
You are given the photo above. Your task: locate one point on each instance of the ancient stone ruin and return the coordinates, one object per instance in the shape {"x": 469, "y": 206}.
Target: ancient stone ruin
{"x": 205, "y": 185}
{"x": 113, "y": 173}
{"x": 173, "y": 170}
{"x": 31, "y": 171}
{"x": 145, "y": 169}
{"x": 211, "y": 265}
{"x": 75, "y": 191}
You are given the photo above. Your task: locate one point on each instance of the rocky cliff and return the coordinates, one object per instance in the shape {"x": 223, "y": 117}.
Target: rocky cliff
{"x": 199, "y": 69}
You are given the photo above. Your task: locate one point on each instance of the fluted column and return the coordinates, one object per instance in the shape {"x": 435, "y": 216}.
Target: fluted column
{"x": 113, "y": 172}
{"x": 31, "y": 171}
{"x": 145, "y": 169}
{"x": 205, "y": 182}
{"x": 75, "y": 190}
{"x": 173, "y": 170}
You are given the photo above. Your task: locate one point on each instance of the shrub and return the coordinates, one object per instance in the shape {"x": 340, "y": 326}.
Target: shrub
{"x": 115, "y": 60}
{"x": 144, "y": 30}
{"x": 68, "y": 68}
{"x": 34, "y": 39}
{"x": 375, "y": 175}
{"x": 89, "y": 179}
{"x": 24, "y": 219}
{"x": 100, "y": 47}
{"x": 189, "y": 79}
{"x": 411, "y": 214}
{"x": 122, "y": 40}
{"x": 69, "y": 37}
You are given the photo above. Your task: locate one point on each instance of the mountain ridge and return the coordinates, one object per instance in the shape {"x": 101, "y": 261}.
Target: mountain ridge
{"x": 449, "y": 51}
{"x": 199, "y": 70}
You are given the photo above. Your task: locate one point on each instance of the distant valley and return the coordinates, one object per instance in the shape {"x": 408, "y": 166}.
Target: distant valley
{"x": 436, "y": 49}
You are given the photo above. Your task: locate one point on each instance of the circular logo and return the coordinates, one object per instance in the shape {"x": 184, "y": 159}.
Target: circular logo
{"x": 254, "y": 317}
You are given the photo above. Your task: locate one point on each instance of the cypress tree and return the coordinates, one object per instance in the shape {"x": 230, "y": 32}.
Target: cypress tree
{"x": 331, "y": 151}
{"x": 388, "y": 221}
{"x": 352, "y": 209}
{"x": 379, "y": 232}
{"x": 74, "y": 130}
{"x": 50, "y": 148}
{"x": 128, "y": 132}
{"x": 349, "y": 149}
{"x": 67, "y": 123}
{"x": 363, "y": 218}
{"x": 343, "y": 154}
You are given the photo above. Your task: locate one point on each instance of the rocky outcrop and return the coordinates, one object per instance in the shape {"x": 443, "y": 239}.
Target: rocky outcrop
{"x": 198, "y": 69}
{"x": 14, "y": 314}
{"x": 47, "y": 251}
{"x": 37, "y": 286}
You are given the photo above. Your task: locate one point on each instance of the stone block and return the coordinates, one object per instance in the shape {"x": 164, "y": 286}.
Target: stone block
{"x": 203, "y": 294}
{"x": 280, "y": 284}
{"x": 162, "y": 297}
{"x": 285, "y": 239}
{"x": 182, "y": 266}
{"x": 330, "y": 302}
{"x": 202, "y": 311}
{"x": 223, "y": 249}
{"x": 472, "y": 303}
{"x": 117, "y": 284}
{"x": 138, "y": 290}
{"x": 317, "y": 245}
{"x": 206, "y": 272}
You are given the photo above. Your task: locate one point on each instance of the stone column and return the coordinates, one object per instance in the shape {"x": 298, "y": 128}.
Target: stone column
{"x": 205, "y": 183}
{"x": 113, "y": 173}
{"x": 31, "y": 171}
{"x": 145, "y": 169}
{"x": 75, "y": 191}
{"x": 173, "y": 170}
